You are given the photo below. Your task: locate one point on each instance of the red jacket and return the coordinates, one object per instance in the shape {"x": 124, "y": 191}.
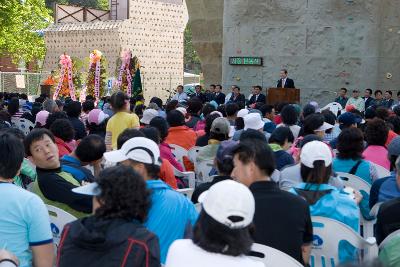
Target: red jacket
{"x": 63, "y": 148}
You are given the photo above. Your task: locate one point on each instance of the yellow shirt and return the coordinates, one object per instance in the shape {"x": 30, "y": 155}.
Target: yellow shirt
{"x": 119, "y": 122}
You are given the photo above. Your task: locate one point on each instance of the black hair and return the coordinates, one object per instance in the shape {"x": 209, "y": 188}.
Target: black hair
{"x": 395, "y": 122}
{"x": 350, "y": 144}
{"x": 212, "y": 85}
{"x": 36, "y": 135}
{"x": 207, "y": 109}
{"x": 220, "y": 86}
{"x": 157, "y": 101}
{"x": 139, "y": 109}
{"x": 377, "y": 91}
{"x": 13, "y": 106}
{"x": 308, "y": 110}
{"x": 221, "y": 108}
{"x": 256, "y": 151}
{"x": 369, "y": 90}
{"x": 344, "y": 89}
{"x": 239, "y": 123}
{"x": 258, "y": 87}
{"x": 309, "y": 138}
{"x": 376, "y": 132}
{"x": 218, "y": 136}
{"x": 225, "y": 167}
{"x": 194, "y": 106}
{"x": 98, "y": 129}
{"x": 175, "y": 118}
{"x": 396, "y": 110}
{"x": 280, "y": 135}
{"x": 215, "y": 237}
{"x": 87, "y": 106}
{"x": 118, "y": 100}
{"x": 5, "y": 116}
{"x": 319, "y": 174}
{"x": 329, "y": 118}
{"x": 265, "y": 109}
{"x": 123, "y": 194}
{"x": 382, "y": 113}
{"x": 23, "y": 96}
{"x": 74, "y": 109}
{"x": 312, "y": 123}
{"x": 89, "y": 98}
{"x": 251, "y": 134}
{"x": 126, "y": 135}
{"x": 55, "y": 116}
{"x": 389, "y": 92}
{"x": 161, "y": 125}
{"x": 231, "y": 109}
{"x": 289, "y": 115}
{"x": 63, "y": 129}
{"x": 209, "y": 120}
{"x": 14, "y": 132}
{"x": 11, "y": 156}
{"x": 91, "y": 148}
{"x": 171, "y": 105}
{"x": 370, "y": 113}
{"x": 40, "y": 100}
{"x": 284, "y": 70}
{"x": 151, "y": 133}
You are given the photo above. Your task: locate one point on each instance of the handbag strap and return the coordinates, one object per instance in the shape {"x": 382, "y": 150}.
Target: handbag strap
{"x": 355, "y": 168}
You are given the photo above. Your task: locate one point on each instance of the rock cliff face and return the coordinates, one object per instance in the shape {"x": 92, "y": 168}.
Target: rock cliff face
{"x": 325, "y": 44}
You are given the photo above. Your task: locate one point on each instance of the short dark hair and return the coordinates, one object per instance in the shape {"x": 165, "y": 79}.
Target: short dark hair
{"x": 23, "y": 96}
{"x": 11, "y": 156}
{"x": 376, "y": 132}
{"x": 280, "y": 135}
{"x": 251, "y": 134}
{"x": 194, "y": 106}
{"x": 239, "y": 123}
{"x": 157, "y": 101}
{"x": 258, "y": 87}
{"x": 396, "y": 110}
{"x": 87, "y": 106}
{"x": 126, "y": 135}
{"x": 55, "y": 116}
{"x": 370, "y": 113}
{"x": 175, "y": 118}
{"x": 218, "y": 85}
{"x": 13, "y": 106}
{"x": 312, "y": 123}
{"x": 395, "y": 122}
{"x": 350, "y": 144}
{"x": 389, "y": 92}
{"x": 207, "y": 109}
{"x": 151, "y": 133}
{"x": 369, "y": 90}
{"x": 118, "y": 100}
{"x": 171, "y": 105}
{"x": 63, "y": 129}
{"x": 377, "y": 91}
{"x": 256, "y": 151}
{"x": 212, "y": 85}
{"x": 265, "y": 109}
{"x": 123, "y": 194}
{"x": 209, "y": 120}
{"x": 231, "y": 109}
{"x": 329, "y": 118}
{"x": 382, "y": 113}
{"x": 289, "y": 115}
{"x": 221, "y": 108}
{"x": 344, "y": 89}
{"x": 14, "y": 132}
{"x": 284, "y": 70}
{"x": 36, "y": 135}
{"x": 308, "y": 110}
{"x": 161, "y": 125}
{"x": 91, "y": 148}
{"x": 215, "y": 237}
{"x": 74, "y": 109}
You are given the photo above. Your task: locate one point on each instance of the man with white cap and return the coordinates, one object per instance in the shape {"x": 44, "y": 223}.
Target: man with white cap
{"x": 222, "y": 233}
{"x": 251, "y": 121}
{"x": 170, "y": 212}
{"x": 281, "y": 220}
{"x": 148, "y": 115}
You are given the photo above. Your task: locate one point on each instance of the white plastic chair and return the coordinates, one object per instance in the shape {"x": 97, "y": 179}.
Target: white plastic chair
{"x": 375, "y": 209}
{"x": 58, "y": 219}
{"x": 359, "y": 184}
{"x": 190, "y": 176}
{"x": 382, "y": 171}
{"x": 179, "y": 152}
{"x": 192, "y": 153}
{"x": 272, "y": 257}
{"x": 198, "y": 207}
{"x": 327, "y": 235}
{"x": 202, "y": 170}
{"x": 26, "y": 126}
{"x": 388, "y": 238}
{"x": 187, "y": 192}
{"x": 334, "y": 107}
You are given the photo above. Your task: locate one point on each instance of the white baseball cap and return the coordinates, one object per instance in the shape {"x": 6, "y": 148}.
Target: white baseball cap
{"x": 241, "y": 113}
{"x": 148, "y": 115}
{"x": 313, "y": 151}
{"x": 139, "y": 149}
{"x": 229, "y": 198}
{"x": 253, "y": 121}
{"x": 324, "y": 127}
{"x": 91, "y": 189}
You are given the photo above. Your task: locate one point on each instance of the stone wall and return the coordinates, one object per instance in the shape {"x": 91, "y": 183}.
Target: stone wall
{"x": 153, "y": 32}
{"x": 325, "y": 44}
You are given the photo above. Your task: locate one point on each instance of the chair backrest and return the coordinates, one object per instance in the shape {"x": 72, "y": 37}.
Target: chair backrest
{"x": 187, "y": 192}
{"x": 354, "y": 182}
{"x": 25, "y": 125}
{"x": 189, "y": 176}
{"x": 272, "y": 257}
{"x": 382, "y": 171}
{"x": 334, "y": 107}
{"x": 192, "y": 153}
{"x": 327, "y": 235}
{"x": 198, "y": 207}
{"x": 58, "y": 219}
{"x": 375, "y": 209}
{"x": 179, "y": 152}
{"x": 388, "y": 238}
{"x": 202, "y": 170}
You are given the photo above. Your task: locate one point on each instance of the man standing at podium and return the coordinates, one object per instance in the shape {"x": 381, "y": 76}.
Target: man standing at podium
{"x": 284, "y": 81}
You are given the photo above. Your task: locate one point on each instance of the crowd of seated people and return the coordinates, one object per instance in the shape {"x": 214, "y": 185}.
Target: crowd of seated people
{"x": 112, "y": 164}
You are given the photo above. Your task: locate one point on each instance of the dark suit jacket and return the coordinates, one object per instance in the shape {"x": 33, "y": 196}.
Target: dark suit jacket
{"x": 200, "y": 96}
{"x": 220, "y": 99}
{"x": 370, "y": 101}
{"x": 261, "y": 98}
{"x": 289, "y": 83}
{"x": 240, "y": 100}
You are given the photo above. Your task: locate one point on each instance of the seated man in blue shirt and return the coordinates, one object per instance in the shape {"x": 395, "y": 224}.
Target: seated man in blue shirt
{"x": 89, "y": 152}
{"x": 171, "y": 213}
{"x": 388, "y": 188}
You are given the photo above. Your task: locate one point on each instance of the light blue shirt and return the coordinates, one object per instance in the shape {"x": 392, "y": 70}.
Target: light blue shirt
{"x": 170, "y": 213}
{"x": 180, "y": 97}
{"x": 24, "y": 222}
{"x": 336, "y": 205}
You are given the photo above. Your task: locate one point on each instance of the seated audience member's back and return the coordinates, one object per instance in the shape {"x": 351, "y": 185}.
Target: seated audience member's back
{"x": 24, "y": 220}
{"x": 54, "y": 185}
{"x": 280, "y": 141}
{"x": 388, "y": 219}
{"x": 281, "y": 220}
{"x": 170, "y": 212}
{"x": 115, "y": 234}
{"x": 179, "y": 134}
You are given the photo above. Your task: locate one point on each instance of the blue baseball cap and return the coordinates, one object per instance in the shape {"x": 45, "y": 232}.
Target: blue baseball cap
{"x": 349, "y": 118}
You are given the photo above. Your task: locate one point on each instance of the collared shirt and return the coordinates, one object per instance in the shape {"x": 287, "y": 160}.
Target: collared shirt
{"x": 333, "y": 204}
{"x": 357, "y": 102}
{"x": 169, "y": 215}
{"x": 180, "y": 97}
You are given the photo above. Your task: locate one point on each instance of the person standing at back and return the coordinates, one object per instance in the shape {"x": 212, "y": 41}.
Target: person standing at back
{"x": 284, "y": 81}
{"x": 219, "y": 97}
{"x": 121, "y": 120}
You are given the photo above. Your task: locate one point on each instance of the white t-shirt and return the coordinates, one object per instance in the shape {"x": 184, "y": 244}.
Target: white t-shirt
{"x": 294, "y": 128}
{"x": 184, "y": 252}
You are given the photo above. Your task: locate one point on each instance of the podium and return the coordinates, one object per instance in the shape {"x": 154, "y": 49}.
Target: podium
{"x": 279, "y": 95}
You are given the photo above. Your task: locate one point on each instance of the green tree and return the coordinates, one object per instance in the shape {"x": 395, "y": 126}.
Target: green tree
{"x": 99, "y": 4}
{"x": 191, "y": 59}
{"x": 21, "y": 23}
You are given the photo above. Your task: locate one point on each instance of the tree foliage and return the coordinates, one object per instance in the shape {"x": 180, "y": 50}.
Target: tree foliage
{"x": 99, "y": 4}
{"x": 21, "y": 23}
{"x": 191, "y": 57}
